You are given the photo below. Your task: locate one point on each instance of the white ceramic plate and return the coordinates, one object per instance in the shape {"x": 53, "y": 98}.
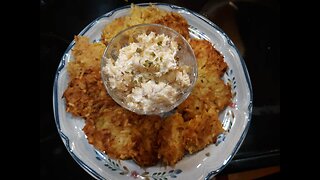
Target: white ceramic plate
{"x": 202, "y": 165}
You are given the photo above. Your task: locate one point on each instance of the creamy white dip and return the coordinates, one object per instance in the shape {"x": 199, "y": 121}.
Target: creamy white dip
{"x": 147, "y": 72}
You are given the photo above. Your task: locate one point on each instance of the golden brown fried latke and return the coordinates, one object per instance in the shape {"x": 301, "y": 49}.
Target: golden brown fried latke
{"x": 171, "y": 140}
{"x": 86, "y": 56}
{"x": 146, "y": 148}
{"x": 142, "y": 15}
{"x": 123, "y": 134}
{"x": 208, "y": 57}
{"x": 114, "y": 132}
{"x": 210, "y": 90}
{"x": 176, "y": 22}
{"x": 86, "y": 96}
{"x": 138, "y": 15}
{"x": 202, "y": 130}
{"x": 113, "y": 28}
{"x": 145, "y": 15}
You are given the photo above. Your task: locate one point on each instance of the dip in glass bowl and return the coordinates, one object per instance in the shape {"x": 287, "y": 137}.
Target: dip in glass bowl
{"x": 149, "y": 69}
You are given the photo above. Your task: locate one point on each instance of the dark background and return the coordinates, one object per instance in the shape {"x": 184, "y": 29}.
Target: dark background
{"x": 253, "y": 25}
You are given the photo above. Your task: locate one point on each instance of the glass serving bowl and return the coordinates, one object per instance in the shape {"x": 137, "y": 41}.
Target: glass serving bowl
{"x": 185, "y": 57}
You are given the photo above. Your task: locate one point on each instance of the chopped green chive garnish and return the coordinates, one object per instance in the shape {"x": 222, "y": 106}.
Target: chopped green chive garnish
{"x": 147, "y": 63}
{"x": 138, "y": 50}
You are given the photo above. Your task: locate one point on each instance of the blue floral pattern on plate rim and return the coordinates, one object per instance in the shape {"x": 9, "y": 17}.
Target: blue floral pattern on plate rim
{"x": 227, "y": 125}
